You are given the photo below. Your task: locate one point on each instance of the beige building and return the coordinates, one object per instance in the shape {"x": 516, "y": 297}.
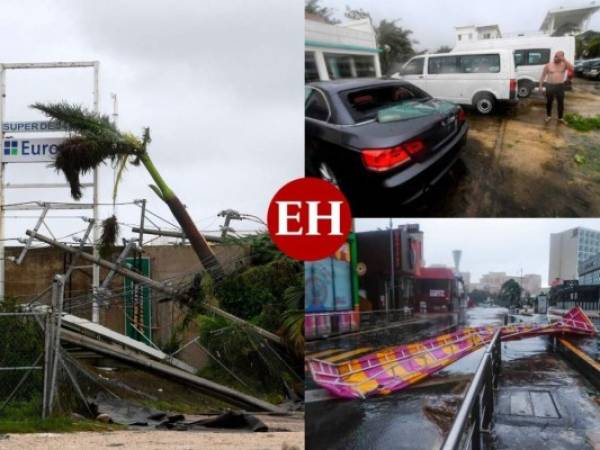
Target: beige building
{"x": 472, "y": 33}
{"x": 493, "y": 281}
{"x": 568, "y": 249}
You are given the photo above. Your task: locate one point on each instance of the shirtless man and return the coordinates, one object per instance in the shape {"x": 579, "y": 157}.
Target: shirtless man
{"x": 555, "y": 74}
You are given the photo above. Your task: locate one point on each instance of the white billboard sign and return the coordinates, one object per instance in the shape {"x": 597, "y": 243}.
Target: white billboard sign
{"x": 36, "y": 126}
{"x": 30, "y": 150}
{"x": 437, "y": 293}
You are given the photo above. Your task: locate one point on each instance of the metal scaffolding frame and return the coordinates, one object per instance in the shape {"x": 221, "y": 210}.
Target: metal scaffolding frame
{"x": 95, "y": 66}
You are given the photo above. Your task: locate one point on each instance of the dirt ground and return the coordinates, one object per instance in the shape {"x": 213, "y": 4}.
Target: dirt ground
{"x": 163, "y": 440}
{"x": 515, "y": 165}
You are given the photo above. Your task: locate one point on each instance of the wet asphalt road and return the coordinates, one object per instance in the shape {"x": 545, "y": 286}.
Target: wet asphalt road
{"x": 399, "y": 420}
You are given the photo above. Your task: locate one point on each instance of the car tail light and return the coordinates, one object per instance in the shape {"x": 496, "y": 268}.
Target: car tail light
{"x": 382, "y": 159}
{"x": 460, "y": 115}
{"x": 513, "y": 85}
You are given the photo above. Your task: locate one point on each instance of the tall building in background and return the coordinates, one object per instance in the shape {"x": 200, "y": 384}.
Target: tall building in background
{"x": 568, "y": 249}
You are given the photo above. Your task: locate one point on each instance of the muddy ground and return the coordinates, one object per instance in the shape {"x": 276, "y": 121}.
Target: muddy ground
{"x": 515, "y": 165}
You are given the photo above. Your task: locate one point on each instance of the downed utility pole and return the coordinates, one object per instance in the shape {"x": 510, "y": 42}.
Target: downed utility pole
{"x": 161, "y": 287}
{"x": 168, "y": 233}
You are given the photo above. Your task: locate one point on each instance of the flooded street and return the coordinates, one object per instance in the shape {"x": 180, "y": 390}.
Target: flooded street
{"x": 418, "y": 418}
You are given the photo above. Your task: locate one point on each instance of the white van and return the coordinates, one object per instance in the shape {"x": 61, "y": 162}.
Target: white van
{"x": 478, "y": 78}
{"x": 531, "y": 54}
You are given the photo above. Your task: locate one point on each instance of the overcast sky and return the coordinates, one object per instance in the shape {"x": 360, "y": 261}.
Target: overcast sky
{"x": 488, "y": 245}
{"x": 218, "y": 82}
{"x": 433, "y": 21}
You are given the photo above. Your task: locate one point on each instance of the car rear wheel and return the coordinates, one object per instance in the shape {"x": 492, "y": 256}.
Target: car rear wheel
{"x": 525, "y": 88}
{"x": 484, "y": 103}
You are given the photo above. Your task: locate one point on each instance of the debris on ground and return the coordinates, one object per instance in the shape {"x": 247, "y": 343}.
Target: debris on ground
{"x": 114, "y": 410}
{"x": 441, "y": 410}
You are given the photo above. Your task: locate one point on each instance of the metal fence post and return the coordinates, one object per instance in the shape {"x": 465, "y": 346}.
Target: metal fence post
{"x": 52, "y": 345}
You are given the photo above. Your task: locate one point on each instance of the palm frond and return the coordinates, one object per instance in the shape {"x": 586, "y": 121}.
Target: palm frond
{"x": 79, "y": 119}
{"x": 108, "y": 239}
{"x": 120, "y": 168}
{"x": 94, "y": 139}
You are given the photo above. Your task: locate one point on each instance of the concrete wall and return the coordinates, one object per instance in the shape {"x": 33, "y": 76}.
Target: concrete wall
{"x": 35, "y": 274}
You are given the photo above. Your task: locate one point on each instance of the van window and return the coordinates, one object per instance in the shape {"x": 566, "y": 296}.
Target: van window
{"x": 520, "y": 57}
{"x": 532, "y": 57}
{"x": 414, "y": 67}
{"x": 465, "y": 64}
{"x": 443, "y": 64}
{"x": 480, "y": 63}
{"x": 538, "y": 56}
{"x": 315, "y": 105}
{"x": 311, "y": 73}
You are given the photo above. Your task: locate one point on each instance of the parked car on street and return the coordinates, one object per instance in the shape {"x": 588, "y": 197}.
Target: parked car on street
{"x": 592, "y": 70}
{"x": 584, "y": 66}
{"x": 373, "y": 136}
{"x": 478, "y": 78}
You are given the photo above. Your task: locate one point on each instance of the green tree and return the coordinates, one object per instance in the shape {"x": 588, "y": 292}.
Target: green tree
{"x": 356, "y": 14}
{"x": 479, "y": 296}
{"x": 510, "y": 293}
{"x": 444, "y": 49}
{"x": 315, "y": 7}
{"x": 395, "y": 42}
{"x": 587, "y": 45}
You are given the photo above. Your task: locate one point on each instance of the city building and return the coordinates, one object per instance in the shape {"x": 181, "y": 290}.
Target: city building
{"x": 568, "y": 249}
{"x": 568, "y": 21}
{"x": 493, "y": 281}
{"x": 561, "y": 21}
{"x": 436, "y": 290}
{"x": 589, "y": 270}
{"x": 474, "y": 33}
{"x": 390, "y": 260}
{"x": 345, "y": 50}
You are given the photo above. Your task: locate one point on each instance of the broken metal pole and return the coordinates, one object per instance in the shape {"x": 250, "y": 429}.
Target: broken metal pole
{"x": 161, "y": 287}
{"x": 106, "y": 264}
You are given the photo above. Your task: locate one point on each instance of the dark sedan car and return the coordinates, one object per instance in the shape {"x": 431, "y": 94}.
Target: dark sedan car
{"x": 380, "y": 139}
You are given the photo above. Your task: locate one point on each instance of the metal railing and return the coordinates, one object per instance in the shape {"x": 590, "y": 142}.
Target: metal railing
{"x": 474, "y": 417}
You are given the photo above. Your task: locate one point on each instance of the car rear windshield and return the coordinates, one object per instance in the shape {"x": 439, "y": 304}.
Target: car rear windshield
{"x": 364, "y": 104}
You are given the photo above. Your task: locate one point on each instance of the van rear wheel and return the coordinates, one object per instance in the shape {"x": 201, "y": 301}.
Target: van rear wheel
{"x": 484, "y": 103}
{"x": 525, "y": 88}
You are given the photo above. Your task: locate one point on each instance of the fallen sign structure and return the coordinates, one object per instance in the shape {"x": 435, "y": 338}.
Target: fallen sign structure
{"x": 394, "y": 368}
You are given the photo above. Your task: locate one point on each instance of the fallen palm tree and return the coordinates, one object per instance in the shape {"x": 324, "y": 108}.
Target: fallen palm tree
{"x": 394, "y": 368}
{"x": 94, "y": 140}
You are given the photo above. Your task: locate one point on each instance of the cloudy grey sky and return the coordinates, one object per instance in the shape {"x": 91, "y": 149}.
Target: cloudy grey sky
{"x": 433, "y": 21}
{"x": 498, "y": 245}
{"x": 218, "y": 82}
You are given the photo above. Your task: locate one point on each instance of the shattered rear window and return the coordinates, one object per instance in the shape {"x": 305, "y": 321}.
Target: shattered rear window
{"x": 364, "y": 104}
{"x": 413, "y": 109}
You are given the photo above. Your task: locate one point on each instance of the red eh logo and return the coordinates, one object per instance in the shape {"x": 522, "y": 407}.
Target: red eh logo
{"x": 309, "y": 219}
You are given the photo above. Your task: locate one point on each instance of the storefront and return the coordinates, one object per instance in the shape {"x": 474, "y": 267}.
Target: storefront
{"x": 437, "y": 290}
{"x": 331, "y": 293}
